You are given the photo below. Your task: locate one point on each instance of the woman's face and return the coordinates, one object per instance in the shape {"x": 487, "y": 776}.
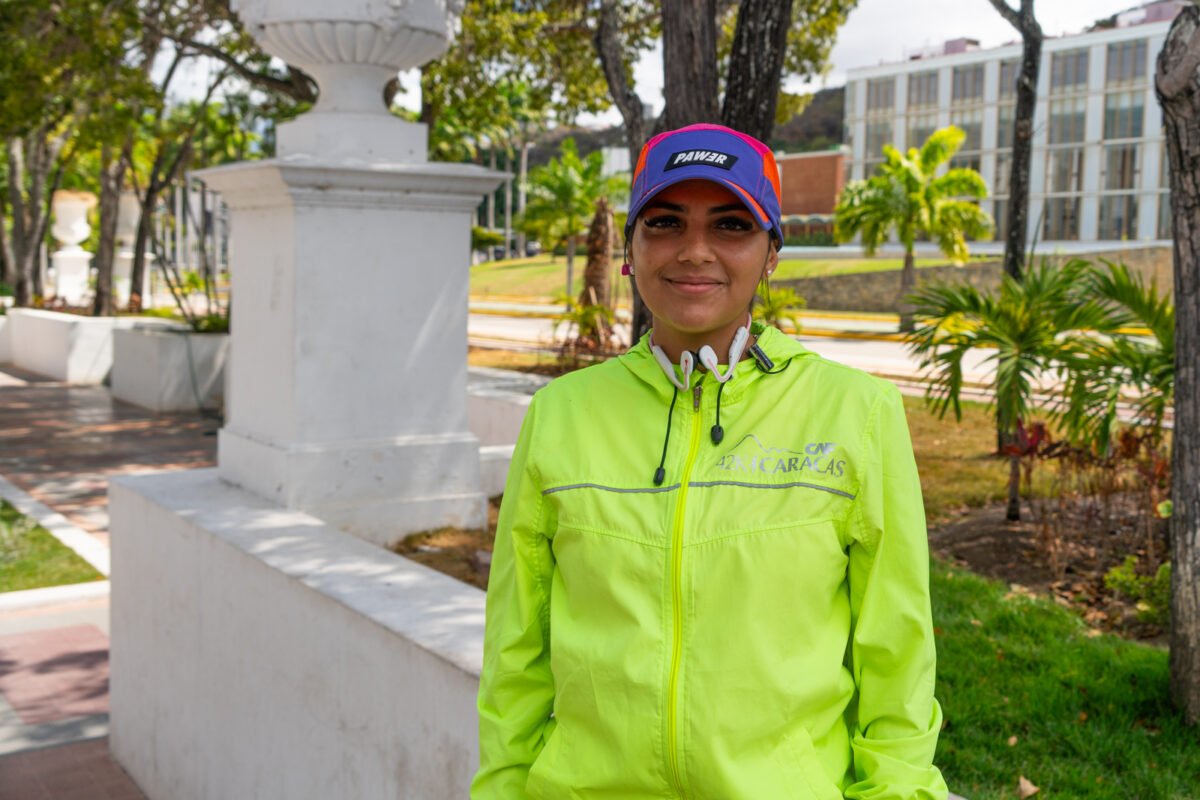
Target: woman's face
{"x": 698, "y": 255}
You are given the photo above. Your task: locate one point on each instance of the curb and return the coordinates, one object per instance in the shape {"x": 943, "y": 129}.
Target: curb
{"x": 84, "y": 544}
{"x": 53, "y": 595}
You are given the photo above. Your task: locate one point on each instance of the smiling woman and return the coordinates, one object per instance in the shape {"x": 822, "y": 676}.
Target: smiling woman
{"x": 742, "y": 612}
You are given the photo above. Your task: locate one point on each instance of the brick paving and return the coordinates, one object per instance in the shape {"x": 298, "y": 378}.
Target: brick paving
{"x": 61, "y": 444}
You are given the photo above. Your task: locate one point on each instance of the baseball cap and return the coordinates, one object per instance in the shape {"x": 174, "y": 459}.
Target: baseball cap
{"x": 714, "y": 153}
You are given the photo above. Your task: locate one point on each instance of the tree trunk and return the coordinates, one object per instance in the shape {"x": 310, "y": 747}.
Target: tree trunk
{"x": 112, "y": 177}
{"x": 137, "y": 272}
{"x": 571, "y": 265}
{"x": 608, "y": 49}
{"x": 756, "y": 66}
{"x": 522, "y": 169}
{"x": 689, "y": 33}
{"x": 1177, "y": 84}
{"x": 1022, "y": 150}
{"x": 1013, "y": 512}
{"x": 908, "y": 282}
{"x": 599, "y": 262}
{"x": 31, "y": 162}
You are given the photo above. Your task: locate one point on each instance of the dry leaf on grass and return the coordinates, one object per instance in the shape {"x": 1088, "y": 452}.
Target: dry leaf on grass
{"x": 1025, "y": 788}
{"x": 1012, "y": 741}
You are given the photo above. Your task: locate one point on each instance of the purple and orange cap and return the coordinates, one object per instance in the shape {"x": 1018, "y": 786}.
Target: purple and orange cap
{"x": 741, "y": 163}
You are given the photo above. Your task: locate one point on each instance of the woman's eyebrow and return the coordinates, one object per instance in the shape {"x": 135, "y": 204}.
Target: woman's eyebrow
{"x": 714, "y": 210}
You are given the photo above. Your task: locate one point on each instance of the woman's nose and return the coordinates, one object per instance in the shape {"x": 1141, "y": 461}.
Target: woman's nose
{"x": 695, "y": 246}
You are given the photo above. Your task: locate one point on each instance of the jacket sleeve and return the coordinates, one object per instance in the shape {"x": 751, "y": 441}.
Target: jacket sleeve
{"x": 516, "y": 689}
{"x": 891, "y": 648}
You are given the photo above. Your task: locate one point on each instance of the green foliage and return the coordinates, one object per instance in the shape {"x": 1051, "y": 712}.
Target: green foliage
{"x": 6, "y": 290}
{"x": 589, "y": 322}
{"x": 1098, "y": 375}
{"x": 813, "y": 239}
{"x": 1027, "y": 328}
{"x": 483, "y": 239}
{"x": 1091, "y": 715}
{"x": 777, "y": 306}
{"x": 31, "y": 558}
{"x": 1151, "y": 593}
{"x": 210, "y": 323}
{"x": 563, "y": 194}
{"x": 907, "y": 196}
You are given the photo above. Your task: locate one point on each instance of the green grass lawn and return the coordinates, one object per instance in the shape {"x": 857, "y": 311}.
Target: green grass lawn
{"x": 541, "y": 277}
{"x": 1090, "y": 714}
{"x": 31, "y": 558}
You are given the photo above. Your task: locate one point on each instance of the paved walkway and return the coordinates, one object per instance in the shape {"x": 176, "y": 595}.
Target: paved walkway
{"x": 60, "y": 444}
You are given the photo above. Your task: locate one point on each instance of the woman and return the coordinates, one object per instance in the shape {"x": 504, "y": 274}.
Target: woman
{"x": 710, "y": 573}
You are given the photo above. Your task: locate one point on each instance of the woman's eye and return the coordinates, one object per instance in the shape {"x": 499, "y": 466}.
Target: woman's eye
{"x": 662, "y": 221}
{"x": 735, "y": 224}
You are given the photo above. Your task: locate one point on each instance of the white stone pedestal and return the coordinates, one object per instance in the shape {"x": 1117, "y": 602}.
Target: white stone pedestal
{"x": 71, "y": 274}
{"x": 347, "y": 396}
{"x": 121, "y": 280}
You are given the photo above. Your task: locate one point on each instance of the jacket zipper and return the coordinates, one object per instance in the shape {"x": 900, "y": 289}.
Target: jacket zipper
{"x": 677, "y": 591}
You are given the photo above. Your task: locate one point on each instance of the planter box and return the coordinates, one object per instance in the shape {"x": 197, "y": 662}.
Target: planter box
{"x": 169, "y": 370}
{"x": 67, "y": 347}
{"x": 5, "y": 340}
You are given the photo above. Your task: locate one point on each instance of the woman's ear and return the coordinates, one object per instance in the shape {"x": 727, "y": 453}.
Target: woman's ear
{"x": 772, "y": 261}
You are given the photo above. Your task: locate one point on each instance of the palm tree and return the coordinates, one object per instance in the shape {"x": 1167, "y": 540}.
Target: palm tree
{"x": 563, "y": 197}
{"x": 906, "y": 195}
{"x": 1097, "y": 376}
{"x": 1029, "y": 329}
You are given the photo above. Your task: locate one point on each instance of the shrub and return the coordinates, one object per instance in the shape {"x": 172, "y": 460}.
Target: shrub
{"x": 1151, "y": 593}
{"x": 6, "y": 289}
{"x": 811, "y": 239}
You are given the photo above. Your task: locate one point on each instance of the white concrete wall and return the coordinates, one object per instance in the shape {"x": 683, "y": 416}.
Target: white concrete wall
{"x": 168, "y": 371}
{"x": 5, "y": 340}
{"x": 67, "y": 347}
{"x": 258, "y": 653}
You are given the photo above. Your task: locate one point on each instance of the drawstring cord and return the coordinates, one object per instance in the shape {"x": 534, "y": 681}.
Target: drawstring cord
{"x": 660, "y": 474}
{"x": 718, "y": 433}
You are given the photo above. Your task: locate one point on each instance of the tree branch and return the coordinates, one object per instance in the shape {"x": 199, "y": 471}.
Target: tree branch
{"x": 1008, "y": 12}
{"x": 299, "y": 86}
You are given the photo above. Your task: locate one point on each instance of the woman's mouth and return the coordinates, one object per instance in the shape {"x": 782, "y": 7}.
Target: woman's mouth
{"x": 692, "y": 286}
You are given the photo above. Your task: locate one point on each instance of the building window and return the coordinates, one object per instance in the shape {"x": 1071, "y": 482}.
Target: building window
{"x": 851, "y": 110}
{"x": 923, "y": 90}
{"x": 1126, "y": 63}
{"x": 1124, "y": 113}
{"x": 1003, "y": 182}
{"x": 971, "y": 121}
{"x": 1009, "y": 72}
{"x": 1121, "y": 166}
{"x": 1062, "y": 219}
{"x": 967, "y": 85}
{"x": 1064, "y": 170}
{"x": 1005, "y": 121}
{"x": 878, "y": 134}
{"x": 1165, "y": 222}
{"x": 1068, "y": 72}
{"x": 1118, "y": 217}
{"x": 881, "y": 95}
{"x": 920, "y": 127}
{"x": 1067, "y": 120}
{"x": 1000, "y": 217}
{"x": 966, "y": 161}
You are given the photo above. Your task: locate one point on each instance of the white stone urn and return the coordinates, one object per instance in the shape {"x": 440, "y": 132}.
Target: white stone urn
{"x": 129, "y": 210}
{"x": 352, "y": 50}
{"x": 71, "y": 230}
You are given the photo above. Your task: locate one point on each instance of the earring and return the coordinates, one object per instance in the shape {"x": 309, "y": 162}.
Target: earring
{"x": 626, "y": 269}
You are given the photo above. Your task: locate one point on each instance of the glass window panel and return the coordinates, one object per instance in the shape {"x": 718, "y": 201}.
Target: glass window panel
{"x": 967, "y": 84}
{"x": 881, "y": 94}
{"x": 1124, "y": 114}
{"x": 1002, "y": 184}
{"x": 850, "y": 109}
{"x": 1126, "y": 63}
{"x": 1118, "y": 217}
{"x": 967, "y": 161}
{"x": 923, "y": 90}
{"x": 1004, "y": 125}
{"x": 1064, "y": 170}
{"x": 1062, "y": 219}
{"x": 878, "y": 134}
{"x": 920, "y": 126}
{"x": 1009, "y": 72}
{"x": 1068, "y": 71}
{"x": 1164, "y": 168}
{"x": 1165, "y": 229}
{"x": 1067, "y": 120}
{"x": 1121, "y": 166}
{"x": 1000, "y": 216}
{"x": 972, "y": 124}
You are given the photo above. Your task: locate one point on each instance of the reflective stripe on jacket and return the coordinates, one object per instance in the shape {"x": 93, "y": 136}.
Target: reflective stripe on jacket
{"x": 757, "y": 626}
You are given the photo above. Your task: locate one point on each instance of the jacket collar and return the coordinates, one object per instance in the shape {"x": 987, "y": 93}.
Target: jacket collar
{"x": 777, "y": 345}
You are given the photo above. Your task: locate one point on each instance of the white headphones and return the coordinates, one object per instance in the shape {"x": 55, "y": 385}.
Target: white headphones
{"x": 708, "y": 358}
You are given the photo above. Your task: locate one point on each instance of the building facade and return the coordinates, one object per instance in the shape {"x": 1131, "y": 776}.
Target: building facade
{"x": 1099, "y": 169}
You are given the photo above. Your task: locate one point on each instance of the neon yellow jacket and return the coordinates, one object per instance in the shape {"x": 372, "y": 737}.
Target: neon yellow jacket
{"x": 756, "y": 627}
